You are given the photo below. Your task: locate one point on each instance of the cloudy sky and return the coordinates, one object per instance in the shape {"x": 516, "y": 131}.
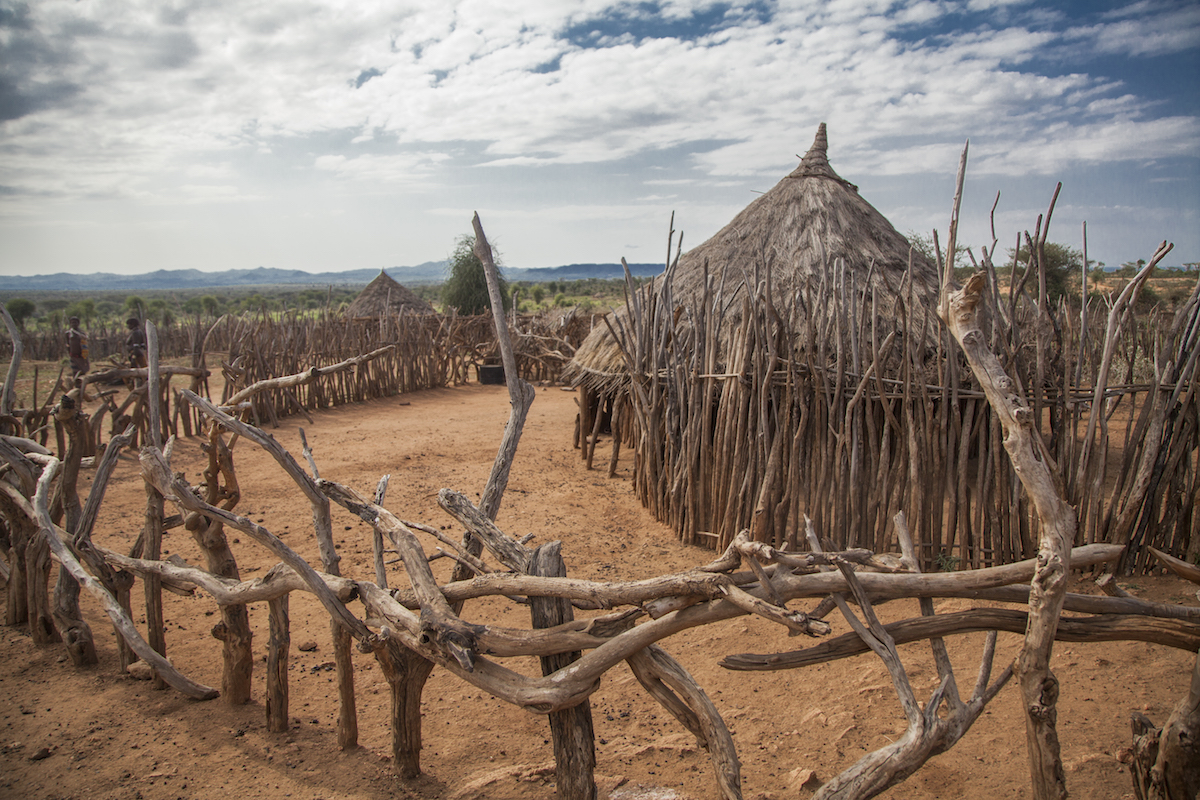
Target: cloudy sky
{"x": 320, "y": 135}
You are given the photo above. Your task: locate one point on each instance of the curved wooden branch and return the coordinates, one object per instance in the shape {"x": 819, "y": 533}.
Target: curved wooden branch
{"x": 22, "y": 466}
{"x": 671, "y": 685}
{"x": 796, "y": 622}
{"x": 1189, "y": 572}
{"x": 927, "y": 733}
{"x": 440, "y": 626}
{"x": 108, "y": 462}
{"x": 25, "y": 445}
{"x": 157, "y": 473}
{"x": 384, "y": 611}
{"x": 1109, "y": 627}
{"x": 1090, "y": 603}
{"x": 507, "y": 550}
{"x": 122, "y": 373}
{"x": 958, "y": 310}
{"x": 703, "y": 585}
{"x": 323, "y": 528}
{"x": 306, "y": 377}
{"x": 120, "y": 620}
{"x": 276, "y": 582}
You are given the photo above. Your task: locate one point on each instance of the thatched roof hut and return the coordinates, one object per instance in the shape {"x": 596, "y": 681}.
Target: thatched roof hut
{"x": 814, "y": 238}
{"x": 384, "y": 296}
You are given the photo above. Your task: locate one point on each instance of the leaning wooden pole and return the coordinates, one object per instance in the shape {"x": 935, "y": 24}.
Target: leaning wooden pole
{"x": 520, "y": 393}
{"x": 347, "y": 728}
{"x": 1057, "y": 530}
{"x": 76, "y": 633}
{"x": 571, "y": 728}
{"x": 152, "y": 528}
{"x": 120, "y": 619}
{"x": 958, "y": 310}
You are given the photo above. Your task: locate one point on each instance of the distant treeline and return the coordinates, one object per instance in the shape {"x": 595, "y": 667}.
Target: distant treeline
{"x": 49, "y": 311}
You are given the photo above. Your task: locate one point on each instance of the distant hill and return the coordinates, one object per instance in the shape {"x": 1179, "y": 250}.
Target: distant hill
{"x": 575, "y": 272}
{"x": 167, "y": 279}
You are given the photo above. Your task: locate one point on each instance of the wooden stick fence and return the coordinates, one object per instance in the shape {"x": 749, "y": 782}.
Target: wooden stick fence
{"x": 851, "y": 418}
{"x": 349, "y": 360}
{"x": 423, "y": 622}
{"x": 406, "y": 620}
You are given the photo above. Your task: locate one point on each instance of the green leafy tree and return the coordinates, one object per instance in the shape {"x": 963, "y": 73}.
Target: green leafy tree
{"x": 135, "y": 306}
{"x": 159, "y": 311}
{"x": 1131, "y": 268}
{"x": 466, "y": 284}
{"x": 20, "y": 310}
{"x": 256, "y": 302}
{"x": 1062, "y": 262}
{"x": 84, "y": 309}
{"x": 924, "y": 246}
{"x": 539, "y": 294}
{"x": 107, "y": 309}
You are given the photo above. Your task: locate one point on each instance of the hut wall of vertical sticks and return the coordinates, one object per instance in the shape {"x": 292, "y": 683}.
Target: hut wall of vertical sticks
{"x": 794, "y": 365}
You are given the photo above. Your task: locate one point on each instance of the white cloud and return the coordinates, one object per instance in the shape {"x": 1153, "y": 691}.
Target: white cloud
{"x": 207, "y": 192}
{"x": 1147, "y": 28}
{"x": 225, "y": 78}
{"x": 387, "y": 169}
{"x": 212, "y": 171}
{"x": 1045, "y": 152}
{"x": 215, "y": 100}
{"x": 989, "y": 5}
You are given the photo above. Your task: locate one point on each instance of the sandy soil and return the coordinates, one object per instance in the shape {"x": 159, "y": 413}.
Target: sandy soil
{"x": 99, "y": 734}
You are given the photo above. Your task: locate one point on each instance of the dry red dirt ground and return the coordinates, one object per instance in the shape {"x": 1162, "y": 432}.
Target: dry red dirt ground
{"x": 98, "y": 734}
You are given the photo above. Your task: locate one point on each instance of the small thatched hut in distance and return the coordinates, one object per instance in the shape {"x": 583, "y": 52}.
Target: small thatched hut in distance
{"x": 385, "y": 297}
{"x": 731, "y": 376}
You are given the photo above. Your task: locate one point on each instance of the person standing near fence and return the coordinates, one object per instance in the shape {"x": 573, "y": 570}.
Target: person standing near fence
{"x": 135, "y": 343}
{"x": 77, "y": 350}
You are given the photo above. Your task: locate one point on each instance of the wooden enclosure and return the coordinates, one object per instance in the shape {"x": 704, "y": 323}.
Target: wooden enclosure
{"x": 418, "y": 625}
{"x": 347, "y": 360}
{"x": 852, "y": 417}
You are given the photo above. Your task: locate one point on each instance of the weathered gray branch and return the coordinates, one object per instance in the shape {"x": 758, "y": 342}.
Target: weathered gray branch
{"x": 958, "y": 309}
{"x": 1107, "y": 627}
{"x": 120, "y": 620}
{"x": 306, "y": 377}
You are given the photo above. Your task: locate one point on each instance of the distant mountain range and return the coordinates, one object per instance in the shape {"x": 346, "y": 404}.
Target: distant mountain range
{"x": 429, "y": 272}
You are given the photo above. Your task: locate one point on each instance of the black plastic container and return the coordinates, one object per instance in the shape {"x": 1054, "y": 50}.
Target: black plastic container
{"x": 490, "y": 373}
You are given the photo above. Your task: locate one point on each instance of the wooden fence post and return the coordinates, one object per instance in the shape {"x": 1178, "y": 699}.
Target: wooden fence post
{"x": 571, "y": 728}
{"x": 277, "y": 665}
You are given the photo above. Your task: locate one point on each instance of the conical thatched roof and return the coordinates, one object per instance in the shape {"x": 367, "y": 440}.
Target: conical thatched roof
{"x": 385, "y": 296}
{"x": 802, "y": 232}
